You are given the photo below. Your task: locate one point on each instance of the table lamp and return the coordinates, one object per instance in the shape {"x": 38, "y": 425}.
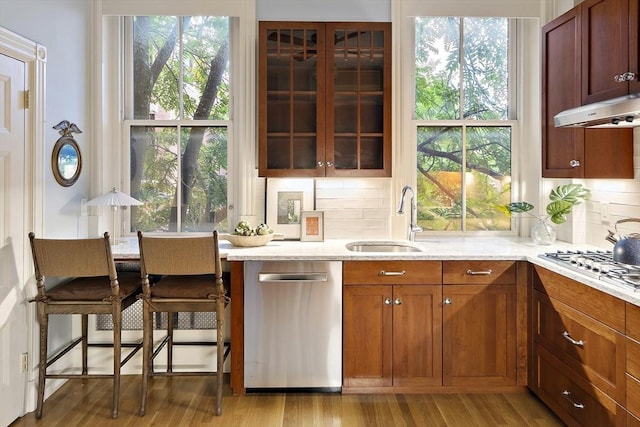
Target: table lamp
{"x": 115, "y": 199}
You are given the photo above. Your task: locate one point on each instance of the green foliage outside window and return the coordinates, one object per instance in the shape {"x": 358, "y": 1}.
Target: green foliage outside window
{"x": 462, "y": 95}
{"x": 181, "y": 81}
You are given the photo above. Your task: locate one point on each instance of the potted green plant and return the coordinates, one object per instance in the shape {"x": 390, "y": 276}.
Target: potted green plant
{"x": 562, "y": 199}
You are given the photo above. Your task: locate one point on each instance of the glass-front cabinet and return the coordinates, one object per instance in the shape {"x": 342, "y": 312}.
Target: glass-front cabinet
{"x": 324, "y": 99}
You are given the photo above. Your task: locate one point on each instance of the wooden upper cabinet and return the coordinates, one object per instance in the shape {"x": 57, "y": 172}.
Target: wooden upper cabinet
{"x": 324, "y": 99}
{"x": 576, "y": 152}
{"x": 605, "y": 49}
{"x": 562, "y": 148}
{"x": 291, "y": 98}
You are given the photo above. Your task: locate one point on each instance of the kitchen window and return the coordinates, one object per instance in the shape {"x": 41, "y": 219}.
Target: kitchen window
{"x": 464, "y": 121}
{"x": 178, "y": 107}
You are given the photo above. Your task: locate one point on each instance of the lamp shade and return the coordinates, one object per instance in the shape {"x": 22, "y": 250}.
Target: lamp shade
{"x": 114, "y": 198}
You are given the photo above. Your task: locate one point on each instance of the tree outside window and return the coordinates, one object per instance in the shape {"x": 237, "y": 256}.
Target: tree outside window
{"x": 462, "y": 123}
{"x": 180, "y": 124}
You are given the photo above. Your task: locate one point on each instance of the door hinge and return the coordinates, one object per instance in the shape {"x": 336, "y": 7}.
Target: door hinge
{"x": 26, "y": 98}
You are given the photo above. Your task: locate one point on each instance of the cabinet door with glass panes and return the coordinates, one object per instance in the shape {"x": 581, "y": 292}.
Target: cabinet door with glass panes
{"x": 358, "y": 112}
{"x": 324, "y": 99}
{"x": 291, "y": 99}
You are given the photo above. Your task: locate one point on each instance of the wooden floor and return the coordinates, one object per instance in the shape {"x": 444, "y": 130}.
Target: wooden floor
{"x": 188, "y": 401}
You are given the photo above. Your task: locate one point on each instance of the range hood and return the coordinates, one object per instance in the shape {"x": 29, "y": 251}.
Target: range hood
{"x": 623, "y": 111}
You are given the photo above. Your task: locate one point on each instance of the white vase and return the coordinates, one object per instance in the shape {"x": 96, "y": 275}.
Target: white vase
{"x": 543, "y": 232}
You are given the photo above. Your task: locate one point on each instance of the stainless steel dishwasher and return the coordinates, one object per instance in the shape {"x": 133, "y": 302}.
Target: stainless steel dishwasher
{"x": 293, "y": 325}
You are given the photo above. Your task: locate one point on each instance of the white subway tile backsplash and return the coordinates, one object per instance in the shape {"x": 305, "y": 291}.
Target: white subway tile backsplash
{"x": 355, "y": 208}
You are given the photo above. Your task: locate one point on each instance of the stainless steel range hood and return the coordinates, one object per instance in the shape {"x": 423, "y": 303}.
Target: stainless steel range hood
{"x": 623, "y": 111}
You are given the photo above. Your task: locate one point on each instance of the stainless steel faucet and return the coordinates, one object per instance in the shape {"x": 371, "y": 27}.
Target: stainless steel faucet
{"x": 413, "y": 226}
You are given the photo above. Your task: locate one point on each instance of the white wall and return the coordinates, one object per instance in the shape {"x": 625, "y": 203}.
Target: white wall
{"x": 63, "y": 27}
{"x": 324, "y": 10}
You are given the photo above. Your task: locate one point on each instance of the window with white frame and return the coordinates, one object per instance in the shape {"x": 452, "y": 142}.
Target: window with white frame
{"x": 178, "y": 121}
{"x": 464, "y": 122}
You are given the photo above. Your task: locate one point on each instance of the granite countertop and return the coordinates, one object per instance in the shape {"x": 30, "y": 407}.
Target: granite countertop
{"x": 437, "y": 248}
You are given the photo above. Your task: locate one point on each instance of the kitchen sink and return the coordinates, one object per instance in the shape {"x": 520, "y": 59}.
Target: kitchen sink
{"x": 382, "y": 246}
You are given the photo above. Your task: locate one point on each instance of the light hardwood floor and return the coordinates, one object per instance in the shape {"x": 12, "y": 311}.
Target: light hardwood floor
{"x": 188, "y": 401}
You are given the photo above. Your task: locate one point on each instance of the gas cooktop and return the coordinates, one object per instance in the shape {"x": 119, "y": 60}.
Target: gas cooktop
{"x": 599, "y": 265}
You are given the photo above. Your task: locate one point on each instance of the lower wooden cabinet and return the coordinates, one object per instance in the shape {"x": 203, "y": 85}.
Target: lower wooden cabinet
{"x": 391, "y": 332}
{"x": 579, "y": 351}
{"x": 479, "y": 335}
{"x": 392, "y": 336}
{"x": 404, "y": 329}
{"x": 572, "y": 397}
{"x": 479, "y": 323}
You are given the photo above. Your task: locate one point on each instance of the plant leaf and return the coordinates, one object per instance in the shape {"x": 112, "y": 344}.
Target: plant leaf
{"x": 516, "y": 207}
{"x": 571, "y": 193}
{"x": 558, "y": 211}
{"x": 563, "y": 198}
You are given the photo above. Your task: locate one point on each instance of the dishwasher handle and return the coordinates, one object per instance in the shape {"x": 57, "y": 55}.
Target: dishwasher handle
{"x": 292, "y": 277}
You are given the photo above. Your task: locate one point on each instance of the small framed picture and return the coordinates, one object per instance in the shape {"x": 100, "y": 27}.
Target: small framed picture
{"x": 286, "y": 200}
{"x": 312, "y": 226}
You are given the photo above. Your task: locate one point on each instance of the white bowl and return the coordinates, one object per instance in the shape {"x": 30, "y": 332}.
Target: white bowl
{"x": 247, "y": 241}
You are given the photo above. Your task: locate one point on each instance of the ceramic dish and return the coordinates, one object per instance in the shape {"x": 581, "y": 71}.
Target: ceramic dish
{"x": 247, "y": 241}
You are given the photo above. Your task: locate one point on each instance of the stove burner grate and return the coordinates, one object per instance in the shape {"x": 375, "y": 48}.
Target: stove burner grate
{"x": 599, "y": 265}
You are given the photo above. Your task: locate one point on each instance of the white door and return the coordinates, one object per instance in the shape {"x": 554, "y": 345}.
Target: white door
{"x": 13, "y": 238}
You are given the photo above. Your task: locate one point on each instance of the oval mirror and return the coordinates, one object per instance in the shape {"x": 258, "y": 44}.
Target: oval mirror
{"x": 66, "y": 161}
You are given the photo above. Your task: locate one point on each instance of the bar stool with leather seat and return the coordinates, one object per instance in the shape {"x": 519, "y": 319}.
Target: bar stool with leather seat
{"x": 89, "y": 285}
{"x": 191, "y": 281}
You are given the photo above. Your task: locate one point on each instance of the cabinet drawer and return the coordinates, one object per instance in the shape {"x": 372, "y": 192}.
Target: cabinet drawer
{"x": 633, "y": 395}
{"x": 572, "y": 398}
{"x": 588, "y": 346}
{"x": 479, "y": 272}
{"x": 633, "y": 321}
{"x": 604, "y": 307}
{"x": 392, "y": 272}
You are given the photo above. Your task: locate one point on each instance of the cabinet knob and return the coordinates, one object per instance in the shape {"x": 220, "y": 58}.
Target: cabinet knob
{"x": 624, "y": 77}
{"x": 574, "y": 163}
{"x": 329, "y": 164}
{"x": 397, "y": 301}
{"x": 447, "y": 301}
{"x": 320, "y": 164}
{"x": 387, "y": 301}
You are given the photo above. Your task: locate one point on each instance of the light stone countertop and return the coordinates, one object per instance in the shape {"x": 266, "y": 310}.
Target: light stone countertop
{"x": 437, "y": 248}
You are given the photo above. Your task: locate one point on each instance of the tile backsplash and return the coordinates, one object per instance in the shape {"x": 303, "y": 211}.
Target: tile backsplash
{"x": 612, "y": 200}
{"x": 355, "y": 208}
{"x": 362, "y": 208}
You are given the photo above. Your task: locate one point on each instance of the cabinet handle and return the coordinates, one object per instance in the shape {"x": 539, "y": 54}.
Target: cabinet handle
{"x": 387, "y": 301}
{"x": 329, "y": 164}
{"x": 574, "y": 163}
{"x": 567, "y": 395}
{"x": 392, "y": 273}
{"x": 624, "y": 77}
{"x": 397, "y": 301}
{"x": 447, "y": 301}
{"x": 480, "y": 273}
{"x": 320, "y": 164}
{"x": 566, "y": 336}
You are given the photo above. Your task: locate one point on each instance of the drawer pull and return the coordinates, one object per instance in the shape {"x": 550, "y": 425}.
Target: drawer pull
{"x": 567, "y": 395}
{"x": 480, "y": 273}
{"x": 392, "y": 273}
{"x": 566, "y": 336}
